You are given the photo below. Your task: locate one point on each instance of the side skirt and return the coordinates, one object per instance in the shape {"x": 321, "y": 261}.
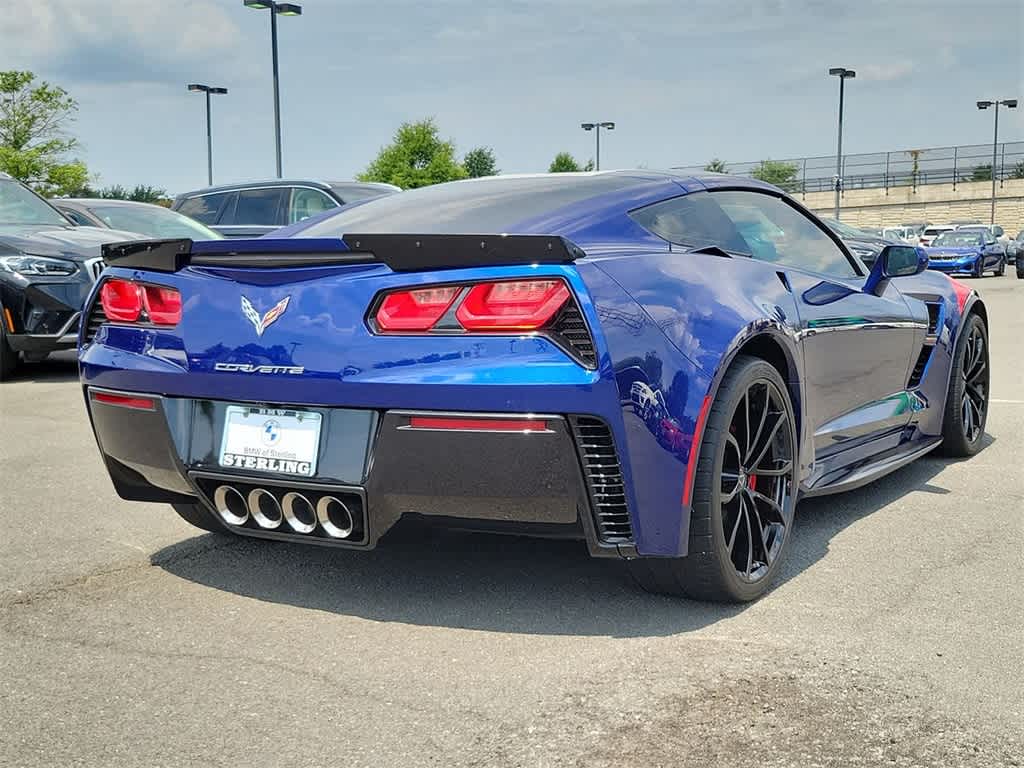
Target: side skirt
{"x": 856, "y": 475}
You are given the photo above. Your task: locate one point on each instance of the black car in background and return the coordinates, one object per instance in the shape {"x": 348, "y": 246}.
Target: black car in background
{"x": 252, "y": 209}
{"x": 153, "y": 221}
{"x": 47, "y": 268}
{"x": 864, "y": 245}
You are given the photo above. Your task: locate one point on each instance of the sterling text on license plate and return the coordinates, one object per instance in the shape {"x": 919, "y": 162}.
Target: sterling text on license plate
{"x": 270, "y": 440}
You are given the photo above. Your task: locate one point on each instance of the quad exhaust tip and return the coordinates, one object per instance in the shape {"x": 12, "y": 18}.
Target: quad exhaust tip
{"x": 334, "y": 517}
{"x": 299, "y": 512}
{"x": 302, "y": 516}
{"x": 230, "y": 505}
{"x": 265, "y": 509}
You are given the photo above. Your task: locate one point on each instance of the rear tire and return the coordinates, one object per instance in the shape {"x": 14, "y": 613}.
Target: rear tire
{"x": 966, "y": 412}
{"x": 200, "y": 517}
{"x": 732, "y": 491}
{"x": 8, "y": 356}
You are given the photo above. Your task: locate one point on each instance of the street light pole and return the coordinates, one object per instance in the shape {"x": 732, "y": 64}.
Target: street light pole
{"x": 842, "y": 73}
{"x": 207, "y": 90}
{"x": 284, "y": 9}
{"x": 277, "y": 94}
{"x": 597, "y": 128}
{"x": 1009, "y": 104}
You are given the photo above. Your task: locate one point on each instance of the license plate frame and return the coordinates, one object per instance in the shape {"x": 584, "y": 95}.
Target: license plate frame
{"x": 274, "y": 440}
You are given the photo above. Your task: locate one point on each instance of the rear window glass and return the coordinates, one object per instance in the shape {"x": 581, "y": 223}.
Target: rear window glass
{"x": 694, "y": 221}
{"x": 203, "y": 208}
{"x": 258, "y": 207}
{"x": 486, "y": 205}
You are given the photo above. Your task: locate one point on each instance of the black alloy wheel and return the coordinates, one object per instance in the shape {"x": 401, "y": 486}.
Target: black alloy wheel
{"x": 744, "y": 493}
{"x": 967, "y": 399}
{"x": 756, "y": 480}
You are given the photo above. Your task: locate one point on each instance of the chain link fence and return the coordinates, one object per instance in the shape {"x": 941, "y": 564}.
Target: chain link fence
{"x": 900, "y": 168}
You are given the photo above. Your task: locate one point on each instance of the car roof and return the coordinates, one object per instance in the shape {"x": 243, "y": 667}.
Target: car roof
{"x": 552, "y": 203}
{"x": 264, "y": 183}
{"x": 88, "y": 202}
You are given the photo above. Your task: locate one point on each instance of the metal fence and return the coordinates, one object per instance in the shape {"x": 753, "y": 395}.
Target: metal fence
{"x": 900, "y": 168}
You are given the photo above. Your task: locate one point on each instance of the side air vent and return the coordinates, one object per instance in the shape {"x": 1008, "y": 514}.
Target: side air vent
{"x": 920, "y": 365}
{"x": 93, "y": 321}
{"x": 934, "y": 312}
{"x": 603, "y": 475}
{"x": 570, "y": 329}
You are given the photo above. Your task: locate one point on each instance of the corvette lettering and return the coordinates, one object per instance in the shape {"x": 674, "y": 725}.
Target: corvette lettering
{"x": 289, "y": 370}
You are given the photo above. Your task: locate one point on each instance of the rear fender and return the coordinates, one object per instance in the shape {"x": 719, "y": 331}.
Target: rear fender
{"x": 706, "y": 309}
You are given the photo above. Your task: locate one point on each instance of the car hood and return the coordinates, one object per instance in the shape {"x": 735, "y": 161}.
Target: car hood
{"x": 75, "y": 243}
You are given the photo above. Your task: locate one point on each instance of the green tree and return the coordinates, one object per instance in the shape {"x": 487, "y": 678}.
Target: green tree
{"x": 114, "y": 192}
{"x": 915, "y": 167}
{"x": 1017, "y": 172}
{"x": 716, "y": 166}
{"x": 480, "y": 162}
{"x": 33, "y": 144}
{"x": 777, "y": 172}
{"x": 566, "y": 163}
{"x": 981, "y": 173}
{"x": 143, "y": 193}
{"x": 416, "y": 157}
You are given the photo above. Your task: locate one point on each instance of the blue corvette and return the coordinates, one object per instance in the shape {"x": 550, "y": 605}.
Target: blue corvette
{"x": 969, "y": 251}
{"x": 659, "y": 365}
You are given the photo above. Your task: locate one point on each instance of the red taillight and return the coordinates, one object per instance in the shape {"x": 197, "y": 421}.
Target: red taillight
{"x": 124, "y": 301}
{"x": 163, "y": 305}
{"x": 121, "y": 300}
{"x": 124, "y": 401}
{"x": 415, "y": 310}
{"x": 515, "y": 305}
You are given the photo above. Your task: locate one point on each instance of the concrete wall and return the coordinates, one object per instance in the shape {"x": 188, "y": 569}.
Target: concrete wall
{"x": 935, "y": 203}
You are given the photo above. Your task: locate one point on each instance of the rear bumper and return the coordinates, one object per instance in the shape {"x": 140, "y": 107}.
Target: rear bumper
{"x": 379, "y": 463}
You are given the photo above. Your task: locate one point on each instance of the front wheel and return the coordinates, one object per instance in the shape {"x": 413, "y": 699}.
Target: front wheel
{"x": 979, "y": 268}
{"x": 1001, "y": 269}
{"x": 963, "y": 421}
{"x": 744, "y": 493}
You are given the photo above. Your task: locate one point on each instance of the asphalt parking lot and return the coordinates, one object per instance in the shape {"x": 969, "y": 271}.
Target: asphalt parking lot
{"x": 896, "y": 636}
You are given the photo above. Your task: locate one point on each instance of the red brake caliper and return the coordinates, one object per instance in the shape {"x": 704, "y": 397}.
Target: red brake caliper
{"x": 752, "y": 482}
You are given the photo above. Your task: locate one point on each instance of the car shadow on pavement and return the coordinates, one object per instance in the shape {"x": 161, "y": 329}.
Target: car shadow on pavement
{"x": 501, "y": 583}
{"x": 60, "y": 367}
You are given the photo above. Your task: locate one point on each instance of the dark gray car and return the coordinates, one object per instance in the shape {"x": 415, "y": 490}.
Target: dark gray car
{"x": 251, "y": 209}
{"x": 47, "y": 268}
{"x": 863, "y": 244}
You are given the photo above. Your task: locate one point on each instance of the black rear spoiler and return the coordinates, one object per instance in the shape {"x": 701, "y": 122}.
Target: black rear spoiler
{"x": 402, "y": 253}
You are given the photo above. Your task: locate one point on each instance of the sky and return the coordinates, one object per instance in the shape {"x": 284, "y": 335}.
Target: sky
{"x": 684, "y": 81}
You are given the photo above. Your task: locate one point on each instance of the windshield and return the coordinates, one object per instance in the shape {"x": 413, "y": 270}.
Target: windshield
{"x": 153, "y": 221}
{"x": 958, "y": 240}
{"x": 18, "y": 205}
{"x": 931, "y": 231}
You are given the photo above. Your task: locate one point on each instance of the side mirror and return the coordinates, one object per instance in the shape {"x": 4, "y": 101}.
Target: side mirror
{"x": 895, "y": 261}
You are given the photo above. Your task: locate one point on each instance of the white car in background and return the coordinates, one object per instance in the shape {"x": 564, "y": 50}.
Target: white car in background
{"x": 928, "y": 236}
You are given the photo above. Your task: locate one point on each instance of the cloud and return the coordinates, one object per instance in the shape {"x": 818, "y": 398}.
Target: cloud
{"x": 125, "y": 42}
{"x": 884, "y": 72}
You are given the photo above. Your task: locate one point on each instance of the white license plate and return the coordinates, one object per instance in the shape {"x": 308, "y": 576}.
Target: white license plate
{"x": 270, "y": 440}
